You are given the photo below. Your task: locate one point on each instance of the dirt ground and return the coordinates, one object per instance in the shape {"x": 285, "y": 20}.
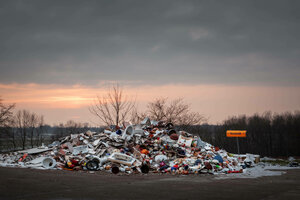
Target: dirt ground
{"x": 16, "y": 183}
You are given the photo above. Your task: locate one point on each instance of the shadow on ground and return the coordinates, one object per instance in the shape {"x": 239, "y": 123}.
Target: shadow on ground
{"x": 16, "y": 183}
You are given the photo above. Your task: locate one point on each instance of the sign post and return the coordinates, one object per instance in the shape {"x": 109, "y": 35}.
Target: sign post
{"x": 237, "y": 143}
{"x": 237, "y": 134}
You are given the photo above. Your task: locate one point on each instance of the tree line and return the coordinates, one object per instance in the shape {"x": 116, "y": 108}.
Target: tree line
{"x": 267, "y": 134}
{"x": 29, "y": 135}
{"x": 24, "y": 129}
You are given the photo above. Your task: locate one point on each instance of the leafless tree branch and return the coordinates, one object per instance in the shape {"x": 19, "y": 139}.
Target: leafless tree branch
{"x": 113, "y": 107}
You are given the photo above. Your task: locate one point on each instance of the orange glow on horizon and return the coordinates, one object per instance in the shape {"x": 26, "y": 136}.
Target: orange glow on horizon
{"x": 216, "y": 102}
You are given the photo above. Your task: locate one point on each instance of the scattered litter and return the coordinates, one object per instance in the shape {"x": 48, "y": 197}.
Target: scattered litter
{"x": 256, "y": 172}
{"x": 148, "y": 147}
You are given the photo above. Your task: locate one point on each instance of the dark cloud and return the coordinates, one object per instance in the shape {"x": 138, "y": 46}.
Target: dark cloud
{"x": 150, "y": 42}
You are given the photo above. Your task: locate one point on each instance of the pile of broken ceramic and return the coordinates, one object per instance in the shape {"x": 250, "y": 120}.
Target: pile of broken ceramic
{"x": 147, "y": 147}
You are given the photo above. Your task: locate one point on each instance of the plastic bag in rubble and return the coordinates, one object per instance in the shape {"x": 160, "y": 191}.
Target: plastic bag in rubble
{"x": 160, "y": 158}
{"x": 200, "y": 143}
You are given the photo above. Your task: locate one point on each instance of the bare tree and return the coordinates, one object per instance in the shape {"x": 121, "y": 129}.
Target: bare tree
{"x": 21, "y": 121}
{"x": 6, "y": 122}
{"x": 40, "y": 129}
{"x": 177, "y": 111}
{"x": 26, "y": 124}
{"x": 10, "y": 131}
{"x": 157, "y": 109}
{"x": 6, "y": 113}
{"x": 33, "y": 122}
{"x": 113, "y": 108}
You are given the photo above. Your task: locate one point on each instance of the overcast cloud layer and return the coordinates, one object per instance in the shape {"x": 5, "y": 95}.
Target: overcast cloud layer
{"x": 150, "y": 42}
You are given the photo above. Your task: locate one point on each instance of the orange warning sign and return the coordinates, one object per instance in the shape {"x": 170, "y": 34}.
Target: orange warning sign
{"x": 235, "y": 133}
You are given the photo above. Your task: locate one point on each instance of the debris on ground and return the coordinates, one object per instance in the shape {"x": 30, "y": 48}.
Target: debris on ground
{"x": 149, "y": 147}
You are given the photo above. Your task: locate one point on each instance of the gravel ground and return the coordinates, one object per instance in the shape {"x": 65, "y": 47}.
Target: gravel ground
{"x": 17, "y": 183}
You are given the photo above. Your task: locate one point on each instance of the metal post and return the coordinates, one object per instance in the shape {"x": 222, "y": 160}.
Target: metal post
{"x": 237, "y": 143}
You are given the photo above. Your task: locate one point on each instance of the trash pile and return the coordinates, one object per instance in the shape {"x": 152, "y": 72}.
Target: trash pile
{"x": 151, "y": 146}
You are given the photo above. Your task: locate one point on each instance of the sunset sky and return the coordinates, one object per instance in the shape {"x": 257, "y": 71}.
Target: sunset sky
{"x": 224, "y": 58}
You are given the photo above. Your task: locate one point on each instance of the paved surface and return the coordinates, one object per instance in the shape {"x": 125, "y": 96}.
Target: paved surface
{"x": 33, "y": 184}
